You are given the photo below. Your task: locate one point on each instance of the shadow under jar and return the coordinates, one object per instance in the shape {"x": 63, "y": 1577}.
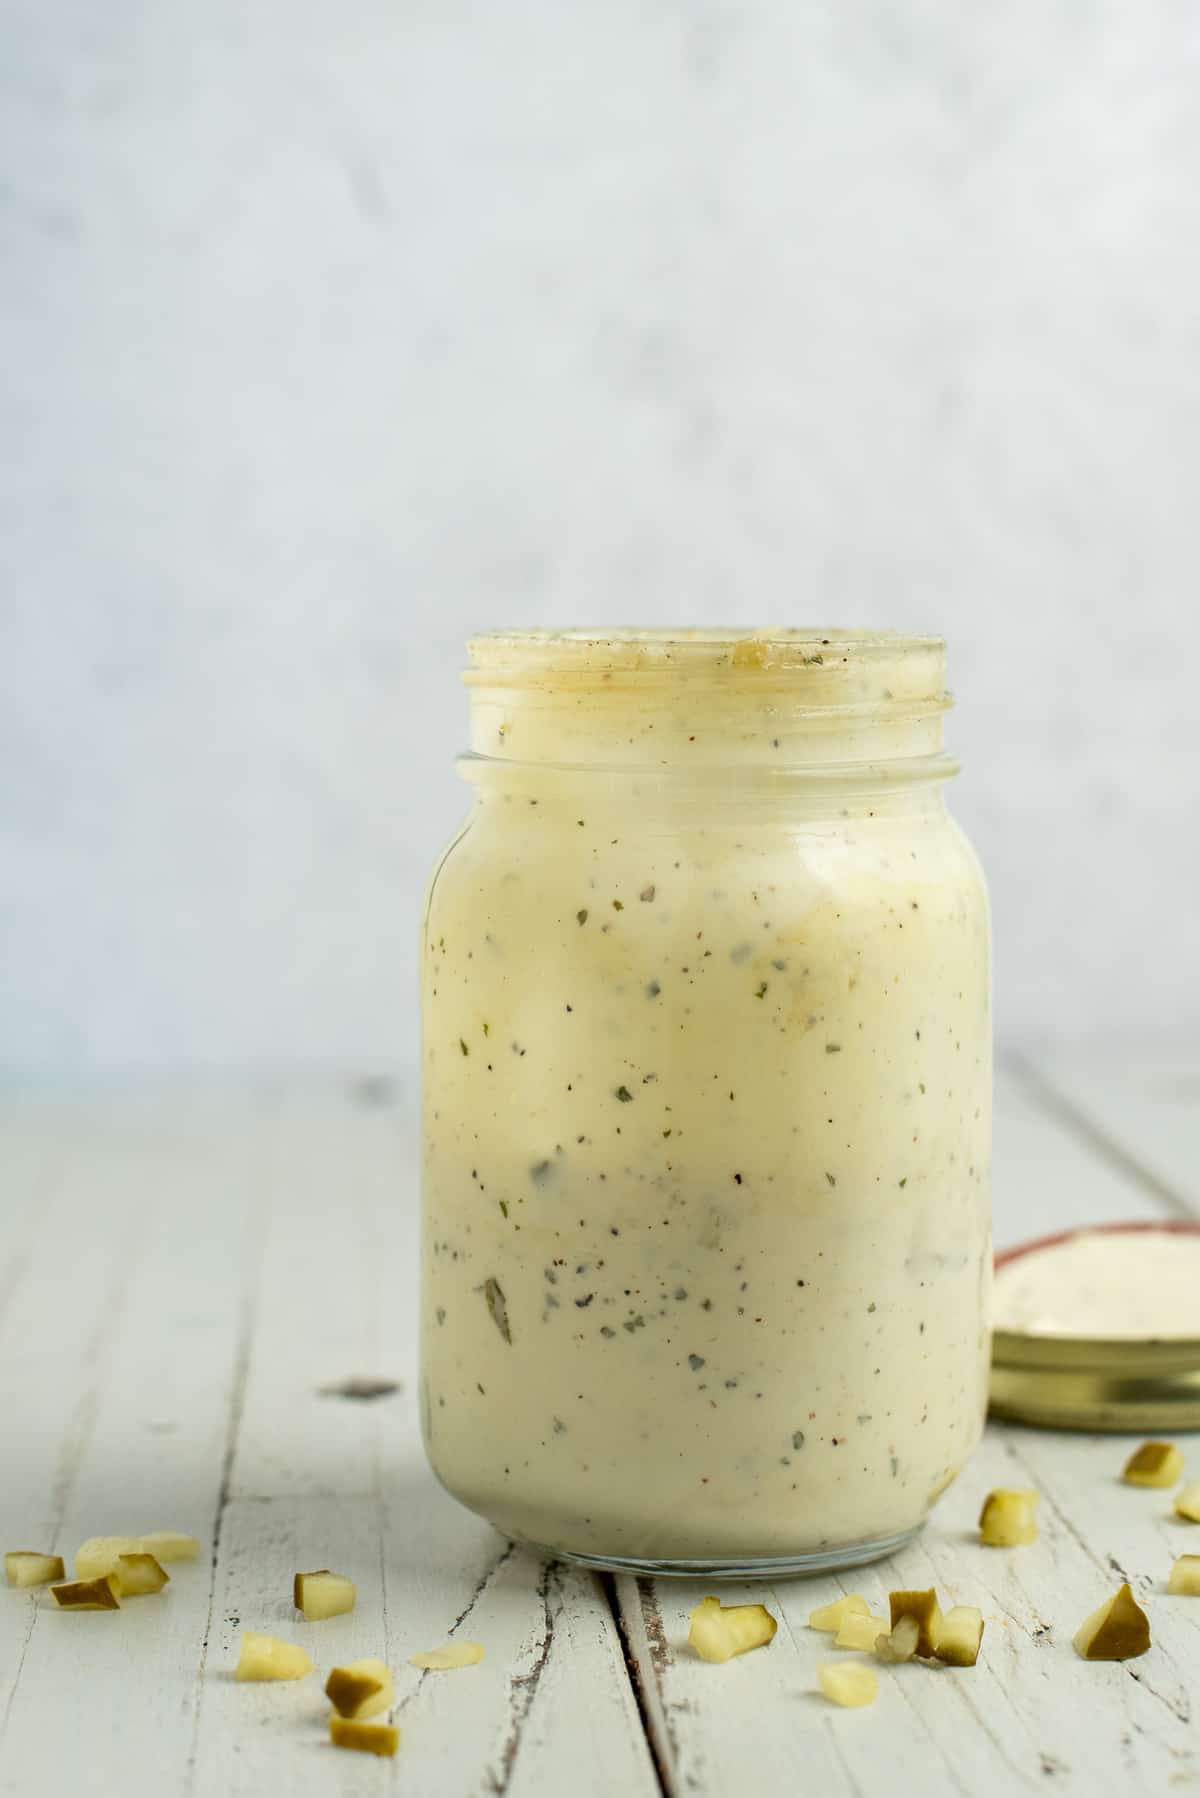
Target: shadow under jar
{"x": 707, "y": 1102}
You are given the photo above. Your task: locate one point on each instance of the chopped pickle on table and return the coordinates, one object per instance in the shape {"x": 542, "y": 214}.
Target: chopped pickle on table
{"x": 923, "y": 1607}
{"x": 900, "y": 1643}
{"x": 960, "y": 1635}
{"x": 26, "y": 1567}
{"x": 1185, "y": 1577}
{"x": 830, "y": 1616}
{"x": 368, "y": 1738}
{"x": 323, "y": 1594}
{"x": 170, "y": 1545}
{"x": 1154, "y": 1464}
{"x": 360, "y": 1688}
{"x": 1187, "y": 1501}
{"x": 100, "y": 1554}
{"x": 87, "y": 1595}
{"x": 859, "y": 1631}
{"x": 447, "y": 1659}
{"x": 266, "y": 1657}
{"x": 138, "y": 1574}
{"x": 1117, "y": 1630}
{"x": 1007, "y": 1519}
{"x": 717, "y": 1632}
{"x": 848, "y": 1683}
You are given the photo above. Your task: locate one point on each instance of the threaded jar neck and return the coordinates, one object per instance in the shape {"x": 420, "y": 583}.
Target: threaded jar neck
{"x": 680, "y": 699}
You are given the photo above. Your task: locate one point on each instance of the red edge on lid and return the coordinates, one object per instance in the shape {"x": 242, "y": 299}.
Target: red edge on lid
{"x": 1168, "y": 1227}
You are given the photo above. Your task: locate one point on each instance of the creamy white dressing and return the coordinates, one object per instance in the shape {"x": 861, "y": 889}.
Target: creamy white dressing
{"x": 1136, "y": 1284}
{"x": 707, "y": 1115}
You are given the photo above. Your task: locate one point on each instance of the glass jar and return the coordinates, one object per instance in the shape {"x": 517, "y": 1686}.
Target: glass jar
{"x": 707, "y": 1095}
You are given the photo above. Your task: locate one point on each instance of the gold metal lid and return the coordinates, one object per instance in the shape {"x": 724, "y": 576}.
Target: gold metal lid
{"x": 1097, "y": 1382}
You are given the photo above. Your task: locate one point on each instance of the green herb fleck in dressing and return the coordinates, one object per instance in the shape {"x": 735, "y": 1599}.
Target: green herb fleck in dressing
{"x": 497, "y": 1306}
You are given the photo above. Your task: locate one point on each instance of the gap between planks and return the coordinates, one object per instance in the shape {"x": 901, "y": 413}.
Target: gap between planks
{"x": 253, "y": 1264}
{"x": 637, "y": 1681}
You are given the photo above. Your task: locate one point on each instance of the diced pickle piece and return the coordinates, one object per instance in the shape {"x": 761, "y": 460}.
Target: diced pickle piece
{"x": 1117, "y": 1631}
{"x": 170, "y": 1545}
{"x": 99, "y": 1554}
{"x": 266, "y": 1657}
{"x": 445, "y": 1660}
{"x": 360, "y": 1688}
{"x": 717, "y": 1632}
{"x": 87, "y": 1595}
{"x": 857, "y": 1631}
{"x": 901, "y": 1644}
{"x": 323, "y": 1594}
{"x": 137, "y": 1574}
{"x": 923, "y": 1606}
{"x": 848, "y": 1683}
{"x": 960, "y": 1635}
{"x": 26, "y": 1567}
{"x": 1187, "y": 1501}
{"x": 830, "y": 1616}
{"x": 1154, "y": 1464}
{"x": 1185, "y": 1577}
{"x": 1007, "y": 1519}
{"x": 368, "y": 1738}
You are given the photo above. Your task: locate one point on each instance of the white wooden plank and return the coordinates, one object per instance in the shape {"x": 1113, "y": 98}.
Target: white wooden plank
{"x": 1046, "y": 1176}
{"x": 339, "y": 1299}
{"x": 66, "y": 1286}
{"x": 274, "y": 1736}
{"x": 64, "y": 1292}
{"x": 551, "y": 1708}
{"x": 1031, "y": 1710}
{"x": 1140, "y": 1107}
{"x": 142, "y": 1400}
{"x": 583, "y": 1714}
{"x": 318, "y": 1480}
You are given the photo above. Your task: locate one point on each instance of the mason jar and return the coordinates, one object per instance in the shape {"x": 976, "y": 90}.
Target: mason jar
{"x": 706, "y": 1099}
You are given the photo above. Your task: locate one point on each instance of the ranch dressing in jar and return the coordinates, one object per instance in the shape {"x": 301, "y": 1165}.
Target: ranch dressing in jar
{"x": 707, "y": 1090}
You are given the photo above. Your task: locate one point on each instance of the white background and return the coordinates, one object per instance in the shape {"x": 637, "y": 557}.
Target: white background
{"x": 331, "y": 332}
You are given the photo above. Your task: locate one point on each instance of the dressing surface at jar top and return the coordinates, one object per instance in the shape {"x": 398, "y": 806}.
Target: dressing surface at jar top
{"x": 706, "y": 1249}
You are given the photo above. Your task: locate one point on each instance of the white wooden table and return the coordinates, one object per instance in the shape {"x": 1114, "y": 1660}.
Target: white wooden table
{"x": 184, "y": 1275}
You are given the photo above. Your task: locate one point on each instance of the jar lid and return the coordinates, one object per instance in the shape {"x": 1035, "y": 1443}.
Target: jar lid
{"x": 1099, "y": 1329}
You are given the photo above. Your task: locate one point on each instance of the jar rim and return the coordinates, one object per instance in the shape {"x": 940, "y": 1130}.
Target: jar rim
{"x": 535, "y": 652}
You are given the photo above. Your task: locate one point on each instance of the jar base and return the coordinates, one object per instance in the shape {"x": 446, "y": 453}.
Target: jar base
{"x": 824, "y": 1560}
